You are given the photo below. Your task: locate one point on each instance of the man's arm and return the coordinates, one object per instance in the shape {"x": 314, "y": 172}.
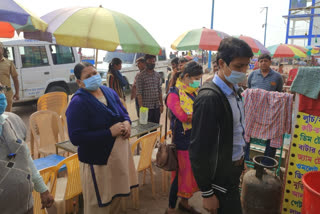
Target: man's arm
{"x": 280, "y": 84}
{"x": 203, "y": 149}
{"x": 249, "y": 79}
{"x": 139, "y": 89}
{"x": 14, "y": 75}
{"x": 160, "y": 96}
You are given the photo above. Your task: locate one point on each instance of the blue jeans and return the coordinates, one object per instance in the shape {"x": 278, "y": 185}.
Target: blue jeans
{"x": 269, "y": 152}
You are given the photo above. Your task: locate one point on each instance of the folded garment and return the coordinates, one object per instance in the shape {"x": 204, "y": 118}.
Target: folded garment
{"x": 309, "y": 106}
{"x": 307, "y": 82}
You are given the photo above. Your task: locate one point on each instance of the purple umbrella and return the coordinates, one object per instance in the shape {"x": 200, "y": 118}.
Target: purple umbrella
{"x": 13, "y": 16}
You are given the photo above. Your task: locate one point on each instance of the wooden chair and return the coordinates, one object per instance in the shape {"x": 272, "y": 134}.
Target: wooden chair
{"x": 46, "y": 131}
{"x": 69, "y": 186}
{"x": 49, "y": 176}
{"x": 143, "y": 161}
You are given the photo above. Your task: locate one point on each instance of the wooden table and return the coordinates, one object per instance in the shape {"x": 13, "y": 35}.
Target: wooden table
{"x": 137, "y": 129}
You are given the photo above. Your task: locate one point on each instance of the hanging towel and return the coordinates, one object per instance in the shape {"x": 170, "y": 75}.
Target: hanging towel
{"x": 307, "y": 82}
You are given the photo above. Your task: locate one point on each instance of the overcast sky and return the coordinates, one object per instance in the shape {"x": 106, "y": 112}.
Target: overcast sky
{"x": 167, "y": 19}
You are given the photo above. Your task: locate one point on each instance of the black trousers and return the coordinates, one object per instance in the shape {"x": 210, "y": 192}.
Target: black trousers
{"x": 229, "y": 203}
{"x": 154, "y": 115}
{"x": 173, "y": 195}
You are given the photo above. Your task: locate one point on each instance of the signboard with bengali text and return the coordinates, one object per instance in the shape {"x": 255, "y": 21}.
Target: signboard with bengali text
{"x": 304, "y": 156}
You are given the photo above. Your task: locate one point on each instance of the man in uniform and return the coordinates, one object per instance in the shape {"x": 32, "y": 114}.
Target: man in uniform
{"x": 8, "y": 69}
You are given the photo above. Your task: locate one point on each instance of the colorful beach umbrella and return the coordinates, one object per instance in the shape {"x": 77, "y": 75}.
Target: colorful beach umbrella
{"x": 99, "y": 28}
{"x": 303, "y": 49}
{"x": 256, "y": 46}
{"x": 312, "y": 49}
{"x": 203, "y": 38}
{"x": 284, "y": 50}
{"x": 15, "y": 17}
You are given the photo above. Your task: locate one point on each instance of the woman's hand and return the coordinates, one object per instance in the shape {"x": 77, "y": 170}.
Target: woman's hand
{"x": 117, "y": 129}
{"x": 127, "y": 129}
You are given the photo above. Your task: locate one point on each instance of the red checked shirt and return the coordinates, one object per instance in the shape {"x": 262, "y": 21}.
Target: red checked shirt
{"x": 268, "y": 115}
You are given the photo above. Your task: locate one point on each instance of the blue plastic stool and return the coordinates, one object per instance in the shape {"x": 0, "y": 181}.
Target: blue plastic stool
{"x": 50, "y": 160}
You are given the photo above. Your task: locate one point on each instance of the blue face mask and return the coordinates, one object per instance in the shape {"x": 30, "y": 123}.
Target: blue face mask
{"x": 92, "y": 83}
{"x": 3, "y": 103}
{"x": 235, "y": 77}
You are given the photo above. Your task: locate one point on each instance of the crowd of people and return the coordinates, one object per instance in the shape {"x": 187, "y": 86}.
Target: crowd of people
{"x": 207, "y": 122}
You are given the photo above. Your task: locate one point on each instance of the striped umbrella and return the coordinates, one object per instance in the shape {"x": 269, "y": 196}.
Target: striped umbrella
{"x": 312, "y": 50}
{"x": 14, "y": 17}
{"x": 284, "y": 50}
{"x": 202, "y": 38}
{"x": 256, "y": 46}
{"x": 99, "y": 28}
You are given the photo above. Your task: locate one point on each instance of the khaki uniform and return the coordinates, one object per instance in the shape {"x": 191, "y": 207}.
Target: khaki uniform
{"x": 7, "y": 69}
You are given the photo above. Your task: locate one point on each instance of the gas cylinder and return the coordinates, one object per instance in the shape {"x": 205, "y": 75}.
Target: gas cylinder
{"x": 261, "y": 189}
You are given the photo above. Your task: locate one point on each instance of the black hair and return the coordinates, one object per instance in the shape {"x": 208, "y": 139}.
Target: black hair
{"x": 149, "y": 56}
{"x": 264, "y": 56}
{"x": 280, "y": 65}
{"x": 175, "y": 61}
{"x": 114, "y": 61}
{"x": 192, "y": 68}
{"x": 79, "y": 68}
{"x": 231, "y": 48}
{"x": 183, "y": 59}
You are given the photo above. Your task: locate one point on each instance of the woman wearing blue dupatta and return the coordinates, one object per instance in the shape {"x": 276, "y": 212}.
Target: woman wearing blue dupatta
{"x": 100, "y": 126}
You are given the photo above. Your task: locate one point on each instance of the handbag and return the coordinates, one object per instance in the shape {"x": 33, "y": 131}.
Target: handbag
{"x": 166, "y": 158}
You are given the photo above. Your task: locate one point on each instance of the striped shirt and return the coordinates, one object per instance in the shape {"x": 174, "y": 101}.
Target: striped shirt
{"x": 149, "y": 86}
{"x": 272, "y": 82}
{"x": 268, "y": 115}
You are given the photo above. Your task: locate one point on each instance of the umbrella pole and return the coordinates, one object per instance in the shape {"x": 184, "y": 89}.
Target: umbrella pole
{"x": 96, "y": 59}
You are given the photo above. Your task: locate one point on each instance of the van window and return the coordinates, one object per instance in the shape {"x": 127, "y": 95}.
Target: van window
{"x": 9, "y": 54}
{"x": 61, "y": 54}
{"x": 126, "y": 58}
{"x": 33, "y": 56}
{"x": 162, "y": 56}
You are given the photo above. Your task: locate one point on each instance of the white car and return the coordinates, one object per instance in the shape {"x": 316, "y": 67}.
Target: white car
{"x": 42, "y": 67}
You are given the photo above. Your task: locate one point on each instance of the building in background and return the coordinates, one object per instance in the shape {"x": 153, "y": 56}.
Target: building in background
{"x": 303, "y": 22}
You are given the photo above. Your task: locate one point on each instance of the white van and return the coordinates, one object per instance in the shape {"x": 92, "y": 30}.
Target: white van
{"x": 42, "y": 67}
{"x": 129, "y": 69}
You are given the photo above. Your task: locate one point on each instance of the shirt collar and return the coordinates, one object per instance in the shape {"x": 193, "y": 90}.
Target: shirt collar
{"x": 2, "y": 59}
{"x": 223, "y": 86}
{"x": 269, "y": 74}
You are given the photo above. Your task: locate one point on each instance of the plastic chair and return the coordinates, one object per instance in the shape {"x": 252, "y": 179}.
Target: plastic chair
{"x": 70, "y": 186}
{"x": 164, "y": 174}
{"x": 143, "y": 161}
{"x": 54, "y": 101}
{"x": 49, "y": 176}
{"x": 46, "y": 130}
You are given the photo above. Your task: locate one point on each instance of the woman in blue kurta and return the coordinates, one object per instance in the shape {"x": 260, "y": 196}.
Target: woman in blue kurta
{"x": 100, "y": 126}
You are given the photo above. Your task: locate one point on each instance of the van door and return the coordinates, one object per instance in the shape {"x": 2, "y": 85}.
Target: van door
{"x": 35, "y": 70}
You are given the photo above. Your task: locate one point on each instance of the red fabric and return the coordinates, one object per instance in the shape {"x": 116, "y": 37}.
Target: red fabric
{"x": 173, "y": 103}
{"x": 292, "y": 74}
{"x": 309, "y": 106}
{"x": 210, "y": 40}
{"x": 187, "y": 184}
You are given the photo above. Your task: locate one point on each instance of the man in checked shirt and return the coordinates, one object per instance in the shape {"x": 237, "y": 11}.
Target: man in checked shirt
{"x": 149, "y": 90}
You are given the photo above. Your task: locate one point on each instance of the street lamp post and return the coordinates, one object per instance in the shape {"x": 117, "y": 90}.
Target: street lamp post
{"x": 265, "y": 27}
{"x": 211, "y": 27}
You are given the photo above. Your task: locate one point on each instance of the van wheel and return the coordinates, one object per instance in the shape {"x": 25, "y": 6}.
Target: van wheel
{"x": 57, "y": 88}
